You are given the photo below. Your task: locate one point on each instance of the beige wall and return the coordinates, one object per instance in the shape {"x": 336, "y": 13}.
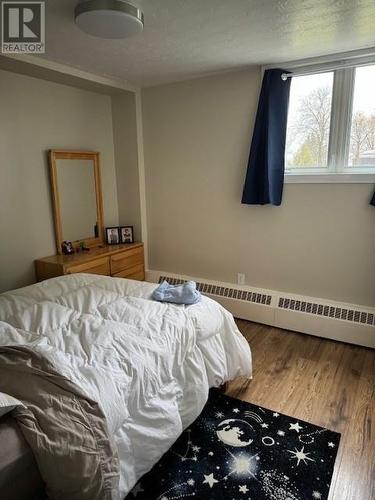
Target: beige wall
{"x": 126, "y": 160}
{"x": 320, "y": 242}
{"x": 37, "y": 115}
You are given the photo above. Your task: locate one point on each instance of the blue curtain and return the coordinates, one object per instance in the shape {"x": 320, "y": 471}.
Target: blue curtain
{"x": 372, "y": 202}
{"x": 265, "y": 170}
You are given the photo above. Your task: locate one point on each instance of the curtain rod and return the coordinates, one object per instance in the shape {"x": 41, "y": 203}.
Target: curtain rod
{"x": 325, "y": 68}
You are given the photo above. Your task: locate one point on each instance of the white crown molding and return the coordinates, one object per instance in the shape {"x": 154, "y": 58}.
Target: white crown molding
{"x": 69, "y": 71}
{"x": 360, "y": 55}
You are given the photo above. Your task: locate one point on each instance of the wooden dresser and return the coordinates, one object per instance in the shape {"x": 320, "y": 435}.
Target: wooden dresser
{"x": 122, "y": 261}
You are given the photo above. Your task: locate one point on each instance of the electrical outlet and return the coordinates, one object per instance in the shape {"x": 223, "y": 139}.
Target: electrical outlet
{"x": 240, "y": 278}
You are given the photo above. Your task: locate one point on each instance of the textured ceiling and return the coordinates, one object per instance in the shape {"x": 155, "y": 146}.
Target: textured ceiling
{"x": 189, "y": 38}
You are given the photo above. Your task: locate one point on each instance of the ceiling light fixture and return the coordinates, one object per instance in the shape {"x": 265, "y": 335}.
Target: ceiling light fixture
{"x": 109, "y": 18}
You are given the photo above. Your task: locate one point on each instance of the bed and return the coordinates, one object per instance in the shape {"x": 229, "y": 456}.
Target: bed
{"x": 109, "y": 378}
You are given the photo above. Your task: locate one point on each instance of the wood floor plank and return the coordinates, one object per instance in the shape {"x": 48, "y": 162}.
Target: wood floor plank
{"x": 327, "y": 383}
{"x": 355, "y": 477}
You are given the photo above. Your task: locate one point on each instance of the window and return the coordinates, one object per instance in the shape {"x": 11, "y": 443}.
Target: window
{"x": 309, "y": 119}
{"x": 331, "y": 125}
{"x": 362, "y": 131}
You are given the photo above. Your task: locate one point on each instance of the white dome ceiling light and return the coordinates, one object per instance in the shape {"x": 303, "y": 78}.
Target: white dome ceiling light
{"x": 109, "y": 18}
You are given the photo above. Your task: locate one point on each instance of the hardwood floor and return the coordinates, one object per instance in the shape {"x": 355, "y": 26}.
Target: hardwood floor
{"x": 327, "y": 383}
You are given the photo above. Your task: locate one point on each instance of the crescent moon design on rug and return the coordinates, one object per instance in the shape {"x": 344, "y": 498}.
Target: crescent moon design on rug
{"x": 231, "y": 431}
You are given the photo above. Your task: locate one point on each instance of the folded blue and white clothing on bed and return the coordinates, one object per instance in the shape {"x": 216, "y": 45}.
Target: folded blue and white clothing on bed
{"x": 186, "y": 293}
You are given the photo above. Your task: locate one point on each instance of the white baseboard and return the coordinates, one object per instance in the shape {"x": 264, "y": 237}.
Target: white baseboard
{"x": 350, "y": 323}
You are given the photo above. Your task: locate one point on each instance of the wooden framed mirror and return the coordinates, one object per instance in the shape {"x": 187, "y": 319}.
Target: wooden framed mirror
{"x": 76, "y": 197}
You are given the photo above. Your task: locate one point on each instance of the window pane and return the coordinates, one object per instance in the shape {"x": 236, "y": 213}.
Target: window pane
{"x": 362, "y": 133}
{"x": 309, "y": 120}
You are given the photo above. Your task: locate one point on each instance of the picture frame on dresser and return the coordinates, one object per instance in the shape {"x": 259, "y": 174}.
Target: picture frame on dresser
{"x": 112, "y": 235}
{"x": 126, "y": 234}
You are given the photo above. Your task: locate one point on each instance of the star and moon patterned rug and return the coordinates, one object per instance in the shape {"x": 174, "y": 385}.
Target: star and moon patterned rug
{"x": 238, "y": 451}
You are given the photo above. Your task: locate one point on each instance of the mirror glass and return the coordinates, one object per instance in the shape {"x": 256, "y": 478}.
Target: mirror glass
{"x": 77, "y": 196}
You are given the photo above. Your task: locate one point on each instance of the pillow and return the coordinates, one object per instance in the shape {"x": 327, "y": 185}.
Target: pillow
{"x": 8, "y": 403}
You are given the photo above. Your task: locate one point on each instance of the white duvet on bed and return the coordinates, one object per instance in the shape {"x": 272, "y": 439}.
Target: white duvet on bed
{"x": 149, "y": 365}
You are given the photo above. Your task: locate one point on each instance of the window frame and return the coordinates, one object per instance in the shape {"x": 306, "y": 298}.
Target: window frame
{"x": 337, "y": 170}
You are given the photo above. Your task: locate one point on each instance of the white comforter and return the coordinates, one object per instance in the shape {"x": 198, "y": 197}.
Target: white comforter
{"x": 149, "y": 365}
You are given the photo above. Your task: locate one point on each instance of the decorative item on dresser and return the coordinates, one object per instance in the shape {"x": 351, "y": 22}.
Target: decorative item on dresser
{"x": 126, "y": 234}
{"x": 121, "y": 261}
{"x": 112, "y": 235}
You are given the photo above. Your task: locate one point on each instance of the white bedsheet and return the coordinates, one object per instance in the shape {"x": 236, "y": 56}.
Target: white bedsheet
{"x": 149, "y": 365}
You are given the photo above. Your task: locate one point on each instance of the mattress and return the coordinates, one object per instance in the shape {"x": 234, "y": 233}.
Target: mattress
{"x": 148, "y": 365}
{"x": 19, "y": 474}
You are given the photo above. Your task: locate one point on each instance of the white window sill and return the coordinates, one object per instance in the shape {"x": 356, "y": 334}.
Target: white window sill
{"x": 320, "y": 178}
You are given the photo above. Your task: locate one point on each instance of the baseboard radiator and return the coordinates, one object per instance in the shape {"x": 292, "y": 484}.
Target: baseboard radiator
{"x": 324, "y": 318}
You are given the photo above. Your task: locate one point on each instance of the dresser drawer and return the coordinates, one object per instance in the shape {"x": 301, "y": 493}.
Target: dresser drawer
{"x": 126, "y": 260}
{"x": 133, "y": 273}
{"x": 96, "y": 266}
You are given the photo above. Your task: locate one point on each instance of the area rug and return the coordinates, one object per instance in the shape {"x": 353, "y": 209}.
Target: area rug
{"x": 236, "y": 450}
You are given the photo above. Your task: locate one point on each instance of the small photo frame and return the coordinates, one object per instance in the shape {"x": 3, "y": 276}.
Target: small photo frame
{"x": 67, "y": 247}
{"x": 112, "y": 235}
{"x": 126, "y": 234}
